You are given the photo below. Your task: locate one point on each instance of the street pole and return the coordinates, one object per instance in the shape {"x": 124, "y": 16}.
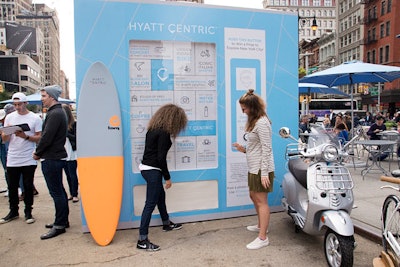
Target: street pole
{"x": 379, "y": 97}
{"x": 306, "y": 55}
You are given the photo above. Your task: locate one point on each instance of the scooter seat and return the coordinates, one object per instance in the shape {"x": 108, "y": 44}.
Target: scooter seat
{"x": 298, "y": 168}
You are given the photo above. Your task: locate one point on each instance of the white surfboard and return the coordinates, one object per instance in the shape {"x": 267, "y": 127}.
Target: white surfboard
{"x": 100, "y": 152}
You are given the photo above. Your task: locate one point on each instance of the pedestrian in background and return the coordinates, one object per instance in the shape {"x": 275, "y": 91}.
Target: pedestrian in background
{"x": 19, "y": 156}
{"x": 260, "y": 162}
{"x": 51, "y": 151}
{"x": 304, "y": 128}
{"x": 377, "y": 127}
{"x": 71, "y": 163}
{"x": 168, "y": 121}
{"x": 326, "y": 122}
{"x": 341, "y": 133}
{"x": 3, "y": 150}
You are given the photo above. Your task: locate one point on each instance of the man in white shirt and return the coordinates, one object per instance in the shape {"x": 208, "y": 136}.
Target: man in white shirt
{"x": 22, "y": 144}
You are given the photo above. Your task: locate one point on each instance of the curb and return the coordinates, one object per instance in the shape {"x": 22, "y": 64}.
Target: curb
{"x": 367, "y": 231}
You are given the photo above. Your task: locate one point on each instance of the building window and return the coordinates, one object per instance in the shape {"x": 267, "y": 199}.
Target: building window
{"x": 387, "y": 53}
{"x": 389, "y": 6}
{"x": 328, "y": 2}
{"x": 387, "y": 28}
{"x": 24, "y": 78}
{"x": 383, "y": 7}
{"x": 316, "y": 3}
{"x": 381, "y": 55}
{"x": 373, "y": 56}
{"x": 23, "y": 67}
{"x": 382, "y": 31}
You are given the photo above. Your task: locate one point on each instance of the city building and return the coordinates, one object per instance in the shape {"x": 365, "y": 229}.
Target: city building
{"x": 350, "y": 32}
{"x": 19, "y": 73}
{"x": 382, "y": 25}
{"x": 33, "y": 30}
{"x": 46, "y": 20}
{"x": 324, "y": 13}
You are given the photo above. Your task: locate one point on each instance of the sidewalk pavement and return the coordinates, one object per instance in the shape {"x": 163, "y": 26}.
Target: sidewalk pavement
{"x": 210, "y": 243}
{"x": 369, "y": 197}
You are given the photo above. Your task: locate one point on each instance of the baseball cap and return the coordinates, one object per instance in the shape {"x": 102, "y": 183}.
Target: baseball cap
{"x": 8, "y": 108}
{"x": 2, "y": 114}
{"x": 19, "y": 97}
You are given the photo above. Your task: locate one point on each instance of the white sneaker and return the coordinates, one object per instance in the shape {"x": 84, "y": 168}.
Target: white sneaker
{"x": 30, "y": 220}
{"x": 6, "y": 194}
{"x": 254, "y": 228}
{"x": 258, "y": 243}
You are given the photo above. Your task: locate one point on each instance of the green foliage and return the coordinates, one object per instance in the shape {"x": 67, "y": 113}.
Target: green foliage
{"x": 390, "y": 124}
{"x": 302, "y": 72}
{"x": 5, "y": 96}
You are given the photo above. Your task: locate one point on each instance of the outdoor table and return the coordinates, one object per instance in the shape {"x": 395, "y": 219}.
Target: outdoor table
{"x": 375, "y": 149}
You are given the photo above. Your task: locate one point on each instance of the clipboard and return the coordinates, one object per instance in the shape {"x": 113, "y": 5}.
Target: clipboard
{"x": 12, "y": 129}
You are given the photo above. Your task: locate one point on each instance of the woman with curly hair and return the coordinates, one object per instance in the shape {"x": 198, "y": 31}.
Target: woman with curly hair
{"x": 166, "y": 123}
{"x": 260, "y": 162}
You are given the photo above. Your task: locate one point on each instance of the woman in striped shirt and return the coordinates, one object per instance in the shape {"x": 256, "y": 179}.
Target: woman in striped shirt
{"x": 260, "y": 162}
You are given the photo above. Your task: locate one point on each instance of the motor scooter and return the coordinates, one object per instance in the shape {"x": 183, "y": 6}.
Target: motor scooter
{"x": 317, "y": 192}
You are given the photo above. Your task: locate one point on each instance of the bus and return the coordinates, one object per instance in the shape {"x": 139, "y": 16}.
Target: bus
{"x": 323, "y": 106}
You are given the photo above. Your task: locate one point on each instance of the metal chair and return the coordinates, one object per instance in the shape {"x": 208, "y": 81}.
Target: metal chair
{"x": 391, "y": 136}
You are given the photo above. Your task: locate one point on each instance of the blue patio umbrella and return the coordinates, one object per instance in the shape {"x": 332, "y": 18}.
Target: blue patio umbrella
{"x": 353, "y": 72}
{"x": 35, "y": 99}
{"x": 308, "y": 88}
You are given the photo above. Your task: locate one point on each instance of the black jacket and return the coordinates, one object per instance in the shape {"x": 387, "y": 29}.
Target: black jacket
{"x": 54, "y": 133}
{"x": 157, "y": 144}
{"x": 72, "y": 136}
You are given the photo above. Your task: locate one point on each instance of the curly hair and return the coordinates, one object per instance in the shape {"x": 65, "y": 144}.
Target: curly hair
{"x": 169, "y": 118}
{"x": 256, "y": 106}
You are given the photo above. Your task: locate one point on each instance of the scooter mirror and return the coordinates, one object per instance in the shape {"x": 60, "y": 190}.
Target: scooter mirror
{"x": 284, "y": 132}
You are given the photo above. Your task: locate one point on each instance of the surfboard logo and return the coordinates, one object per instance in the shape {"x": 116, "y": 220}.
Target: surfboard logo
{"x": 114, "y": 123}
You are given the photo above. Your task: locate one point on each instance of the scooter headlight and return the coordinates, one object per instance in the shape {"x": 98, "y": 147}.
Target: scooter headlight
{"x": 330, "y": 153}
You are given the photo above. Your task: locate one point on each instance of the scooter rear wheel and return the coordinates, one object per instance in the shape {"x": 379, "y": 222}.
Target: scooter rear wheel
{"x": 338, "y": 249}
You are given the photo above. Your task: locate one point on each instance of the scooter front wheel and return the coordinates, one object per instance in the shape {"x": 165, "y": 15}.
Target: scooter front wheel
{"x": 338, "y": 249}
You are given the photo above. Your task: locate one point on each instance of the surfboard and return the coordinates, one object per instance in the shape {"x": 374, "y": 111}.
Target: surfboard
{"x": 100, "y": 152}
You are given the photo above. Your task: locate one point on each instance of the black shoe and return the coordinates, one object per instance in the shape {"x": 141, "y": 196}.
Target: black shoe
{"x": 35, "y": 192}
{"x": 50, "y": 225}
{"x": 147, "y": 245}
{"x": 52, "y": 233}
{"x": 10, "y": 216}
{"x": 172, "y": 226}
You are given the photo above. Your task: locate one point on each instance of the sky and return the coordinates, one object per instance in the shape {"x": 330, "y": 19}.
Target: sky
{"x": 65, "y": 12}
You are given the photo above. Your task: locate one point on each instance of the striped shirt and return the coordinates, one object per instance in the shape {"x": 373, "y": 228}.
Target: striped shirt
{"x": 259, "y": 148}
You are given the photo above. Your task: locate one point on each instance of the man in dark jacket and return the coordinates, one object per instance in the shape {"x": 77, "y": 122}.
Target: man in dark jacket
{"x": 51, "y": 151}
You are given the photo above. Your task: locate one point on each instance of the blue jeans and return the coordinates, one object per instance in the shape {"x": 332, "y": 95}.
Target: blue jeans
{"x": 155, "y": 195}
{"x": 52, "y": 171}
{"x": 72, "y": 177}
{"x": 3, "y": 158}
